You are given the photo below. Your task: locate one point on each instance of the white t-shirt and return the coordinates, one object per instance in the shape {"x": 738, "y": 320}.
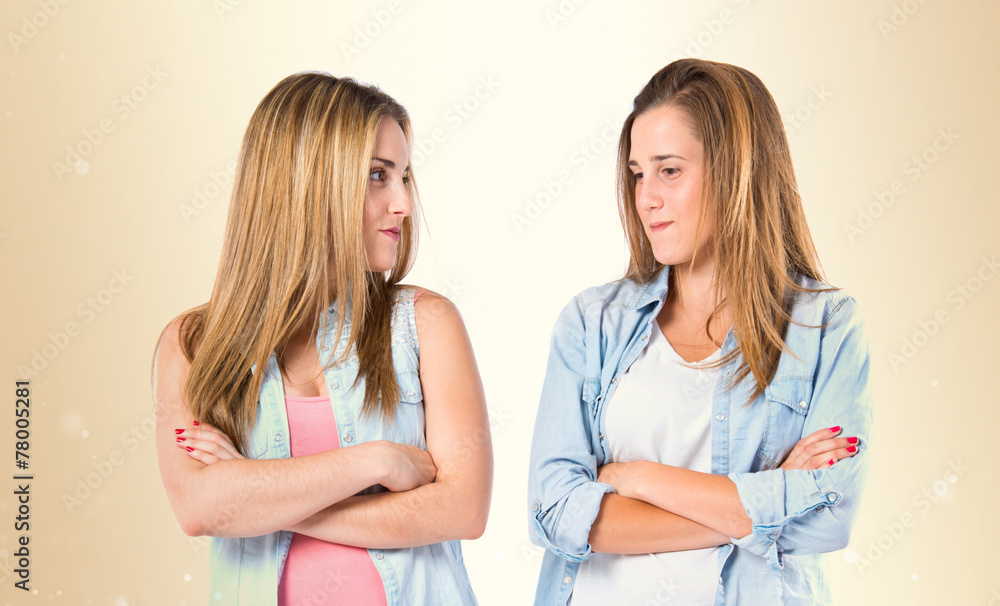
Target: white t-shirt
{"x": 661, "y": 412}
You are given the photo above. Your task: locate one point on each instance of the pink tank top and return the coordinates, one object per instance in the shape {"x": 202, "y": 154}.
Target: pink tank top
{"x": 316, "y": 571}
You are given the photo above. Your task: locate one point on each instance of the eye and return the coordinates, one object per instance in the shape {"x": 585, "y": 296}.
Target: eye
{"x": 406, "y": 178}
{"x": 378, "y": 174}
{"x": 671, "y": 172}
{"x": 636, "y": 176}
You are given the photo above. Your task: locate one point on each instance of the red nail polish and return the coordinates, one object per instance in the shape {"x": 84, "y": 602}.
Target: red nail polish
{"x": 181, "y": 439}
{"x": 852, "y": 449}
{"x": 852, "y": 440}
{"x": 835, "y": 429}
{"x": 189, "y": 449}
{"x": 196, "y": 423}
{"x": 831, "y": 461}
{"x": 178, "y": 431}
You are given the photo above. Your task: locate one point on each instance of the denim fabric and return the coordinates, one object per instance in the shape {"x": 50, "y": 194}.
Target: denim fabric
{"x": 798, "y": 516}
{"x": 247, "y": 570}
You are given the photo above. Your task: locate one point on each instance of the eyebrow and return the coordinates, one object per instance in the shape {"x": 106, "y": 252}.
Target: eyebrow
{"x": 658, "y": 159}
{"x": 389, "y": 163}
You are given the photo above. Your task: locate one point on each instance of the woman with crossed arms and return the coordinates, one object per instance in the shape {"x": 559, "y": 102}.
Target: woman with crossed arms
{"x": 324, "y": 424}
{"x": 704, "y": 421}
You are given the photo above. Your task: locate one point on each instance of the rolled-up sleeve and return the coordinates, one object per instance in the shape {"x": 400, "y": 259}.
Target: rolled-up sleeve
{"x": 563, "y": 494}
{"x": 805, "y": 512}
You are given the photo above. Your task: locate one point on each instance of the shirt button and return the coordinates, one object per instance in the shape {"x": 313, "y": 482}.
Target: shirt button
{"x": 720, "y": 417}
{"x": 615, "y": 380}
{"x": 803, "y": 404}
{"x": 379, "y": 555}
{"x": 334, "y": 385}
{"x": 325, "y": 348}
{"x": 348, "y": 438}
{"x": 644, "y": 338}
{"x": 535, "y": 507}
{"x": 410, "y": 392}
{"x": 567, "y": 579}
{"x": 600, "y": 436}
{"x": 277, "y": 437}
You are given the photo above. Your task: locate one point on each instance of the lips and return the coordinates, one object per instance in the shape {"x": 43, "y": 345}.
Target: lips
{"x": 658, "y": 226}
{"x": 392, "y": 232}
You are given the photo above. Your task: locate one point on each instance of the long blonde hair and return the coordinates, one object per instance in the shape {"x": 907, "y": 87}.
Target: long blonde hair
{"x": 762, "y": 242}
{"x": 296, "y": 211}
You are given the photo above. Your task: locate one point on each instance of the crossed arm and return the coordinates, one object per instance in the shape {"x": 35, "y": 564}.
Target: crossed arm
{"x": 693, "y": 509}
{"x": 440, "y": 494}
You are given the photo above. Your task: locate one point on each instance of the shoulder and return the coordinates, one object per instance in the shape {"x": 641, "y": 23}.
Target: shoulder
{"x": 426, "y": 304}
{"x": 170, "y": 364}
{"x": 823, "y": 300}
{"x": 619, "y": 297}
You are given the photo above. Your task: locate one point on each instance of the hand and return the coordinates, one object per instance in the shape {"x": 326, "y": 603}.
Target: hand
{"x": 207, "y": 444}
{"x": 406, "y": 466}
{"x": 618, "y": 476}
{"x": 820, "y": 450}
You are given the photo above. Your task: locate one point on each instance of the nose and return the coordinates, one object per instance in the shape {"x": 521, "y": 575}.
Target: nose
{"x": 647, "y": 195}
{"x": 400, "y": 202}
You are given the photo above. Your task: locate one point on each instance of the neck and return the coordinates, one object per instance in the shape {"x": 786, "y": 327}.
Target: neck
{"x": 693, "y": 287}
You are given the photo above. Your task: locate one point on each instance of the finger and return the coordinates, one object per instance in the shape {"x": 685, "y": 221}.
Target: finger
{"x": 830, "y": 445}
{"x": 208, "y": 433}
{"x": 829, "y": 459}
{"x": 201, "y": 455}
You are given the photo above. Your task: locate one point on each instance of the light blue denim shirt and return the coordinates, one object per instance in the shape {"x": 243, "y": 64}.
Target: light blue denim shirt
{"x": 798, "y": 516}
{"x": 247, "y": 570}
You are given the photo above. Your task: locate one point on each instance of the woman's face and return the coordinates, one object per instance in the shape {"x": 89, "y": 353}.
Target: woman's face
{"x": 667, "y": 160}
{"x": 387, "y": 202}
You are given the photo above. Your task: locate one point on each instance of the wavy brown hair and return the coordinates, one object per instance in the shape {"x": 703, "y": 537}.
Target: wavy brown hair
{"x": 761, "y": 243}
{"x": 293, "y": 247}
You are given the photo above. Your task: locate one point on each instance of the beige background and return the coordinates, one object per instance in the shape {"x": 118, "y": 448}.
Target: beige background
{"x": 865, "y": 87}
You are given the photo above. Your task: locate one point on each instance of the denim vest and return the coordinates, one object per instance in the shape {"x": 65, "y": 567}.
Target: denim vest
{"x": 798, "y": 516}
{"x": 246, "y": 570}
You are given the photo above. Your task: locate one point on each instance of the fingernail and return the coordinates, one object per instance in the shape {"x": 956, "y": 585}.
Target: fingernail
{"x": 852, "y": 440}
{"x": 831, "y": 461}
{"x": 195, "y": 423}
{"x": 178, "y": 431}
{"x": 835, "y": 429}
{"x": 188, "y": 448}
{"x": 181, "y": 439}
{"x": 852, "y": 449}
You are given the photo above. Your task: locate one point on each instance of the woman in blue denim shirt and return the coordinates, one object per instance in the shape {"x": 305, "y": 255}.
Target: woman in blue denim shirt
{"x": 325, "y": 427}
{"x": 704, "y": 423}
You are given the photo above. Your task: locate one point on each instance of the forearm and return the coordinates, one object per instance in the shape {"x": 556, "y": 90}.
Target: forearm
{"x": 428, "y": 514}
{"x": 708, "y": 499}
{"x": 626, "y": 525}
{"x": 250, "y": 497}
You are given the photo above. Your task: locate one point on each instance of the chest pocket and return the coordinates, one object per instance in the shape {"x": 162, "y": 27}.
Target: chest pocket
{"x": 787, "y": 400}
{"x": 407, "y": 426}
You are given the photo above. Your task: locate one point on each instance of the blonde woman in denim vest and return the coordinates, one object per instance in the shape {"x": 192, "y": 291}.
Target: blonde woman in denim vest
{"x": 324, "y": 424}
{"x": 703, "y": 431}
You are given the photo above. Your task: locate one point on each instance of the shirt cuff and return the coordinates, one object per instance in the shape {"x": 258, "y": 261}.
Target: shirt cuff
{"x": 564, "y": 529}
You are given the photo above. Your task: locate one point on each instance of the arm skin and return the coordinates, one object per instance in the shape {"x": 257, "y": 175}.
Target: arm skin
{"x": 626, "y": 525}
{"x": 246, "y": 497}
{"x": 708, "y": 499}
{"x": 456, "y": 505}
